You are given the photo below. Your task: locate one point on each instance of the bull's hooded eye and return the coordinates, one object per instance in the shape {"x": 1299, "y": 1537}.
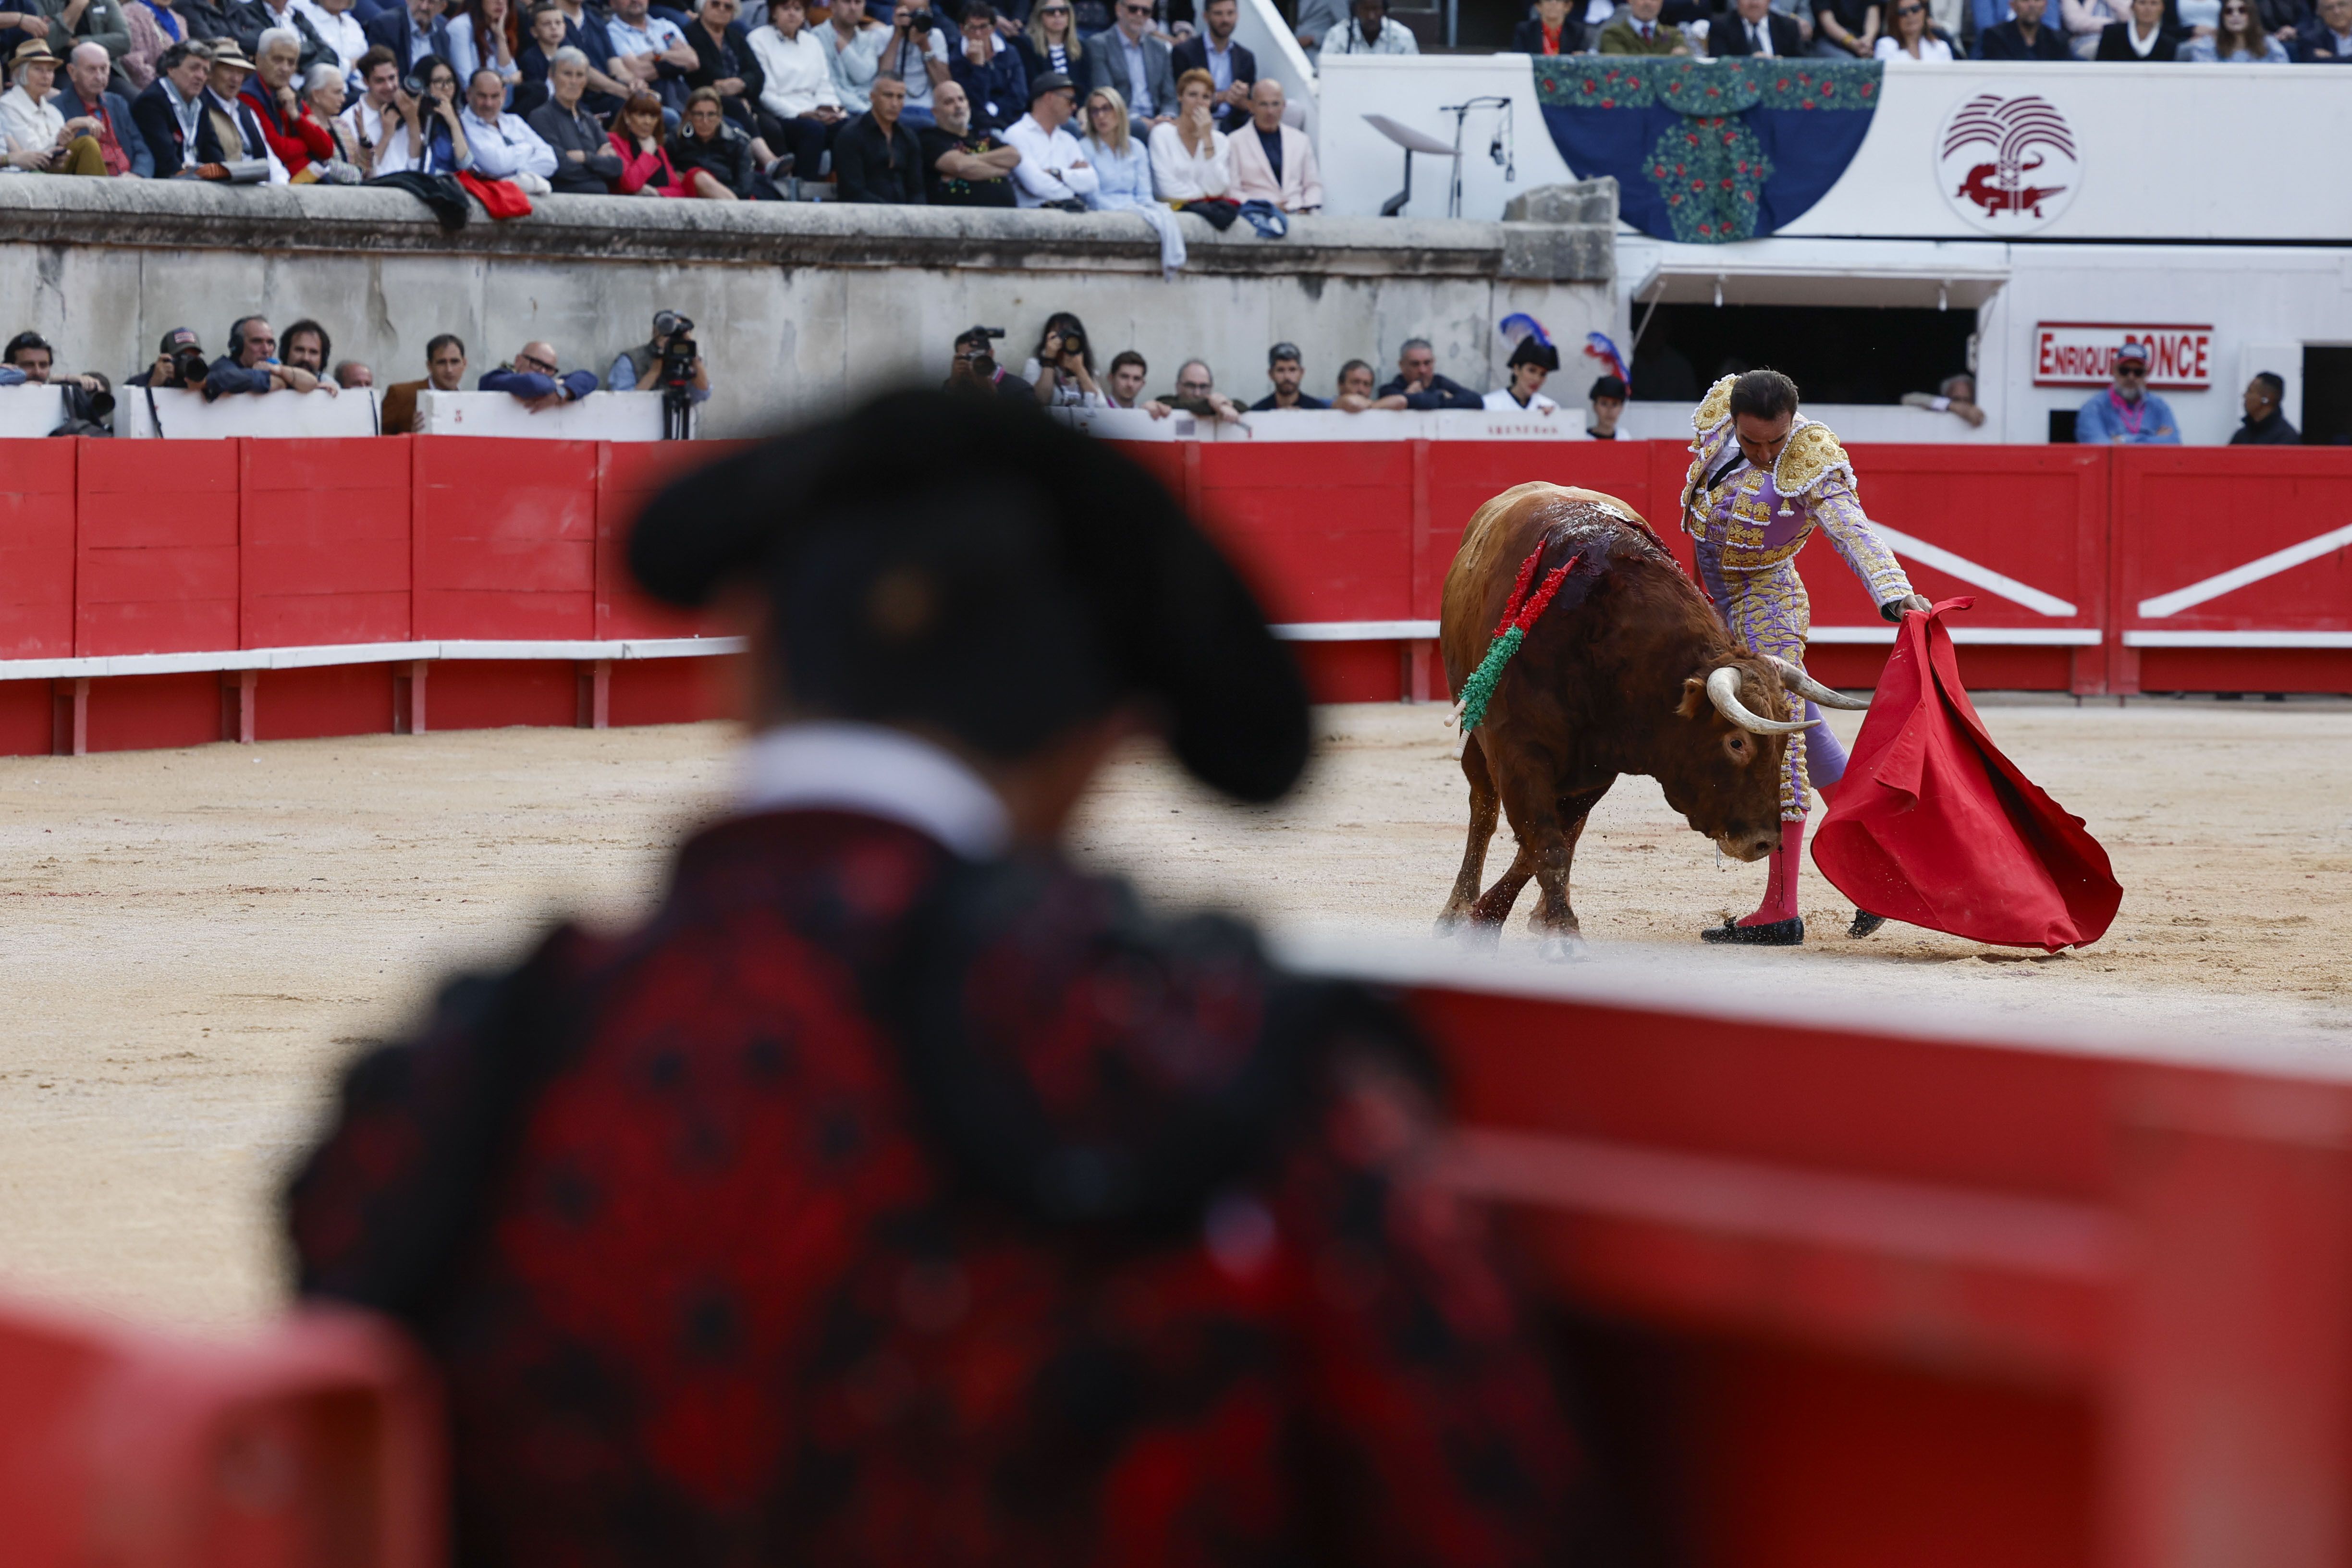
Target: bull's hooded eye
{"x": 1737, "y": 745}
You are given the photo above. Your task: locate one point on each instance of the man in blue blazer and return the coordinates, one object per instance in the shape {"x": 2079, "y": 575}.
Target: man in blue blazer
{"x": 1130, "y": 60}
{"x": 1231, "y": 67}
{"x": 84, "y": 94}
{"x": 170, "y": 115}
{"x": 410, "y": 34}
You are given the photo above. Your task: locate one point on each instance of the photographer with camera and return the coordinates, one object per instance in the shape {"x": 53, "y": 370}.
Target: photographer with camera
{"x": 974, "y": 370}
{"x": 432, "y": 138}
{"x": 251, "y": 364}
{"x": 179, "y": 364}
{"x": 669, "y": 360}
{"x": 1062, "y": 372}
{"x": 917, "y": 55}
{"x": 89, "y": 401}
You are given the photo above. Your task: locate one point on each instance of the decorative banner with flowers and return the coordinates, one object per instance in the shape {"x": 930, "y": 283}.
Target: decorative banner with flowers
{"x": 1706, "y": 151}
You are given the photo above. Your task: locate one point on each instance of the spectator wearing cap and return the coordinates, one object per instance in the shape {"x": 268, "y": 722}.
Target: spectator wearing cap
{"x": 2023, "y": 36}
{"x": 1053, "y": 170}
{"x": 1418, "y": 382}
{"x": 169, "y": 113}
{"x": 1529, "y": 364}
{"x": 876, "y": 159}
{"x": 233, "y": 122}
{"x": 294, "y": 135}
{"x": 178, "y": 343}
{"x": 1272, "y": 162}
{"x": 534, "y": 376}
{"x": 963, "y": 167}
{"x": 39, "y": 137}
{"x": 1607, "y": 403}
{"x": 444, "y": 368}
{"x": 1286, "y": 369}
{"x": 2127, "y": 414}
{"x": 988, "y": 68}
{"x": 85, "y": 97}
{"x": 975, "y": 372}
{"x": 2265, "y": 423}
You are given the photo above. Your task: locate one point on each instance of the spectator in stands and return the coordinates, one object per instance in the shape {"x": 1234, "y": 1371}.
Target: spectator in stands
{"x": 504, "y": 146}
{"x": 535, "y": 377}
{"x": 1190, "y": 170}
{"x": 963, "y": 167}
{"x": 1754, "y": 28}
{"x": 2145, "y": 36}
{"x": 1418, "y": 382}
{"x": 1317, "y": 21}
{"x": 2326, "y": 38}
{"x": 996, "y": 87}
{"x": 1128, "y": 56}
{"x": 1051, "y": 42}
{"x": 233, "y": 121}
{"x": 1637, "y": 30}
{"x": 307, "y": 346}
{"x": 1286, "y": 369}
{"x": 1550, "y": 31}
{"x": 1196, "y": 393}
{"x": 411, "y": 33}
{"x": 1122, "y": 164}
{"x": 249, "y": 19}
{"x": 725, "y": 62}
{"x": 639, "y": 142}
{"x": 1370, "y": 31}
{"x": 1123, "y": 387}
{"x": 293, "y": 133}
{"x": 1531, "y": 365}
{"x": 1272, "y": 162}
{"x": 1355, "y": 393}
{"x": 1912, "y": 37}
{"x": 1606, "y": 399}
{"x": 87, "y": 400}
{"x": 853, "y": 47}
{"x": 640, "y": 368}
{"x": 1956, "y": 396}
{"x": 179, "y": 346}
{"x": 1231, "y": 66}
{"x": 2240, "y": 40}
{"x": 716, "y": 160}
{"x": 2023, "y": 36}
{"x": 974, "y": 370}
{"x": 1053, "y": 170}
{"x": 1062, "y": 372}
{"x": 652, "y": 51}
{"x": 251, "y": 364}
{"x": 2265, "y": 423}
{"x": 341, "y": 28}
{"x": 546, "y": 35}
{"x": 584, "y": 30}
{"x": 71, "y": 22}
{"x": 432, "y": 138}
{"x": 1849, "y": 29}
{"x": 802, "y": 103}
{"x": 170, "y": 117}
{"x": 444, "y": 365}
{"x": 2086, "y": 21}
{"x": 31, "y": 353}
{"x": 353, "y": 375}
{"x": 915, "y": 53}
{"x": 373, "y": 119}
{"x": 39, "y": 137}
{"x": 586, "y": 163}
{"x": 154, "y": 28}
{"x": 877, "y": 158}
{"x": 85, "y": 97}
{"x": 2128, "y": 413}
{"x": 483, "y": 36}
{"x": 324, "y": 94}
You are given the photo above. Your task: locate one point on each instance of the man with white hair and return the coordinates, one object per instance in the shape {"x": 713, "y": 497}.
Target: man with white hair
{"x": 586, "y": 164}
{"x": 85, "y": 97}
{"x": 295, "y": 138}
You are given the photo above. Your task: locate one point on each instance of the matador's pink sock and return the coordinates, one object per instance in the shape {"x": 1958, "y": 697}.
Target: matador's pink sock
{"x": 1780, "y": 878}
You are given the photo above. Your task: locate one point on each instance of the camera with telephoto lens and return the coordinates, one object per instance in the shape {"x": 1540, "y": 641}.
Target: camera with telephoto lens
{"x": 918, "y": 22}
{"x": 1073, "y": 341}
{"x": 983, "y": 361}
{"x": 188, "y": 367}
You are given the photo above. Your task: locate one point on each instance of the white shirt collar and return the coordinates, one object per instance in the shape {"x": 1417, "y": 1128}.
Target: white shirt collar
{"x": 874, "y": 770}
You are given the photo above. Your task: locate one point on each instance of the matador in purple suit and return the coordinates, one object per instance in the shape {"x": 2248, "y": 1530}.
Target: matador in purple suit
{"x": 1762, "y": 478}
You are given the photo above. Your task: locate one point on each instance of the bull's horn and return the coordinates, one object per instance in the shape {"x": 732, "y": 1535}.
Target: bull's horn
{"x": 1723, "y": 690}
{"x": 1794, "y": 677}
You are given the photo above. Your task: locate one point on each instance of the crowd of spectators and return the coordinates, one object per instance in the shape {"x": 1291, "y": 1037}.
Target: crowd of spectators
{"x": 2262, "y": 31}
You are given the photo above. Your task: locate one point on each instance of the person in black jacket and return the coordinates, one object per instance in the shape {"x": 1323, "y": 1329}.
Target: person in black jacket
{"x": 711, "y": 155}
{"x": 2265, "y": 423}
{"x": 248, "y": 19}
{"x": 411, "y": 32}
{"x": 876, "y": 159}
{"x": 1736, "y": 34}
{"x": 2144, "y": 37}
{"x": 724, "y": 61}
{"x": 586, "y": 164}
{"x": 171, "y": 114}
{"x": 1205, "y": 51}
{"x": 2023, "y": 36}
{"x": 1418, "y": 382}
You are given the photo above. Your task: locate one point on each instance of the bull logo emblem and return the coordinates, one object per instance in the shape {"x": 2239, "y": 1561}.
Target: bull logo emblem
{"x": 2008, "y": 165}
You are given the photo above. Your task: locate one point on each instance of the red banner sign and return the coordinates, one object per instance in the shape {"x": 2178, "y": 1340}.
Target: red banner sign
{"x": 2083, "y": 354}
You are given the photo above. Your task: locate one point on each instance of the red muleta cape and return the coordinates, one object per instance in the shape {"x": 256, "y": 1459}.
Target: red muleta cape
{"x": 1934, "y": 826}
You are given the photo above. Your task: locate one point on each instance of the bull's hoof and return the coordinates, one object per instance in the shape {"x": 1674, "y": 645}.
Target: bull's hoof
{"x": 1863, "y": 924}
{"x": 1789, "y": 933}
{"x": 1558, "y": 946}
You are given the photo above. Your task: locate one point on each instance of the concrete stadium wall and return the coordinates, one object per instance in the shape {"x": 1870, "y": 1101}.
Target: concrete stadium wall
{"x": 800, "y": 305}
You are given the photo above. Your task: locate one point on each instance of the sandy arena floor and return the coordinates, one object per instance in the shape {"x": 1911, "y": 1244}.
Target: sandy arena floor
{"x": 199, "y": 938}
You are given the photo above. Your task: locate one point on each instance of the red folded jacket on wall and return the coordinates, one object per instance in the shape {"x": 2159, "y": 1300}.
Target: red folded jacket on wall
{"x": 1933, "y": 826}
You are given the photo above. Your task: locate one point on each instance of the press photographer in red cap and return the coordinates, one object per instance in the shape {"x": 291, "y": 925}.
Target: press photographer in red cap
{"x": 898, "y": 1193}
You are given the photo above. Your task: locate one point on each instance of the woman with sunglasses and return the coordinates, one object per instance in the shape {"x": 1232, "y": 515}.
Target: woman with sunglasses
{"x": 1051, "y": 42}
{"x": 1911, "y": 38}
{"x": 2238, "y": 39}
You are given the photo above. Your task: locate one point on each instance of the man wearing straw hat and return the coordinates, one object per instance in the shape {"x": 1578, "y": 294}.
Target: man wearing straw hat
{"x": 39, "y": 137}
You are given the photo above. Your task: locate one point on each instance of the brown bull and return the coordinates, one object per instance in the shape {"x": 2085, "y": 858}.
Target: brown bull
{"x": 1629, "y": 671}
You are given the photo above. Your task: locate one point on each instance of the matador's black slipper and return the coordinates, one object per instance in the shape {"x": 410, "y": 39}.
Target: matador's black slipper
{"x": 1789, "y": 933}
{"x": 1864, "y": 922}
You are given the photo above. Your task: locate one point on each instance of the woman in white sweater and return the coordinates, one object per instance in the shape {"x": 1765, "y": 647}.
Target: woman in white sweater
{"x": 1188, "y": 155}
{"x": 799, "y": 90}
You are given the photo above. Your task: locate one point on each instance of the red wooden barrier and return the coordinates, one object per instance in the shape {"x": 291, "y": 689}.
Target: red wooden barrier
{"x": 505, "y": 538}
{"x": 37, "y": 507}
{"x": 156, "y": 547}
{"x": 325, "y": 543}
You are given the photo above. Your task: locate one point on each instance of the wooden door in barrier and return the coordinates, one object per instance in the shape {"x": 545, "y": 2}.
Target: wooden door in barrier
{"x": 628, "y": 475}
{"x": 505, "y": 538}
{"x": 324, "y": 539}
{"x": 156, "y": 566}
{"x": 38, "y": 509}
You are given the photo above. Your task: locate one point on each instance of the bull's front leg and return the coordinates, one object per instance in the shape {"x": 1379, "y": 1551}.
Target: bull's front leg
{"x": 1554, "y": 921}
{"x": 1486, "y": 804}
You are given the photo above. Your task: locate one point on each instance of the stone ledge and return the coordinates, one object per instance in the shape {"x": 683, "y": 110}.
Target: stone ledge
{"x": 185, "y": 215}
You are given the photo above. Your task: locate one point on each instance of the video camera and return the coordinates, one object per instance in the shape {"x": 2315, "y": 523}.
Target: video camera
{"x": 675, "y": 344}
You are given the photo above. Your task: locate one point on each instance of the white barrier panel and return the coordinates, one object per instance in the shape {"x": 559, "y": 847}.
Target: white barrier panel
{"x": 599, "y": 416}
{"x": 1892, "y": 422}
{"x": 30, "y": 410}
{"x": 143, "y": 412}
{"x": 1332, "y": 425}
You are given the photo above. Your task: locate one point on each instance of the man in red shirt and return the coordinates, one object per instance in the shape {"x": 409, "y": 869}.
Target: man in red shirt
{"x": 294, "y": 134}
{"x": 898, "y": 1193}
{"x": 85, "y": 97}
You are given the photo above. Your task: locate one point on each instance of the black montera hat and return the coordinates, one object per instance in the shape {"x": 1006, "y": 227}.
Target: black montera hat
{"x": 1531, "y": 352}
{"x": 973, "y": 566}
